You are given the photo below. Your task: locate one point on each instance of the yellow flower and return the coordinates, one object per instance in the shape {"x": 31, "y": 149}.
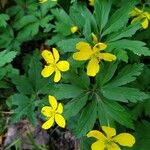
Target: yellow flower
{"x": 53, "y": 64}
{"x": 140, "y": 15}
{"x": 53, "y": 114}
{"x": 93, "y": 54}
{"x": 74, "y": 29}
{"x": 91, "y": 2}
{"x": 109, "y": 140}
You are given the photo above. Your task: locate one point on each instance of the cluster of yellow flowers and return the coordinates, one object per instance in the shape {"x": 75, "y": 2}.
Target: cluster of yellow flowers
{"x": 94, "y": 54}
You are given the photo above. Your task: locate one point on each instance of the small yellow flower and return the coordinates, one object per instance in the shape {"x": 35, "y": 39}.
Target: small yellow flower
{"x": 140, "y": 15}
{"x": 74, "y": 29}
{"x": 94, "y": 38}
{"x": 42, "y": 1}
{"x": 53, "y": 114}
{"x": 93, "y": 54}
{"x": 53, "y": 64}
{"x": 91, "y": 2}
{"x": 109, "y": 140}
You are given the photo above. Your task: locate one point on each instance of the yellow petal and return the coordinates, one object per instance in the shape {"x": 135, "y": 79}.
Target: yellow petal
{"x": 48, "y": 124}
{"x": 52, "y": 101}
{"x": 124, "y": 139}
{"x": 113, "y": 146}
{"x": 82, "y": 56}
{"x": 107, "y": 56}
{"x": 91, "y": 2}
{"x": 98, "y": 145}
{"x": 60, "y": 120}
{"x": 46, "y": 111}
{"x": 57, "y": 76}
{"x": 109, "y": 131}
{"x": 84, "y": 47}
{"x": 74, "y": 29}
{"x": 147, "y": 15}
{"x": 48, "y": 56}
{"x": 145, "y": 23}
{"x": 99, "y": 47}
{"x": 60, "y": 108}
{"x": 47, "y": 71}
{"x": 63, "y": 65}
{"x": 96, "y": 134}
{"x": 93, "y": 67}
{"x": 56, "y": 54}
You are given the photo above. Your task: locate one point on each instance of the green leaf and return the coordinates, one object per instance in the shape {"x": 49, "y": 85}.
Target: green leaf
{"x": 69, "y": 45}
{"x": 137, "y": 47}
{"x": 125, "y": 32}
{"x": 28, "y": 31}
{"x": 24, "y": 21}
{"x": 87, "y": 30}
{"x": 122, "y": 55}
{"x": 102, "y": 9}
{"x": 126, "y": 75}
{"x": 22, "y": 106}
{"x": 64, "y": 23}
{"x": 142, "y": 108}
{"x": 124, "y": 94}
{"x": 23, "y": 84}
{"x": 38, "y": 82}
{"x": 142, "y": 136}
{"x": 3, "y": 20}
{"x": 64, "y": 91}
{"x": 87, "y": 119}
{"x": 118, "y": 113}
{"x": 75, "y": 105}
{"x": 6, "y": 57}
{"x": 119, "y": 19}
{"x": 106, "y": 73}
{"x": 103, "y": 117}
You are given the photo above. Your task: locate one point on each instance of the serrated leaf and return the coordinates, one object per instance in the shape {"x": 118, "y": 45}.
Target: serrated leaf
{"x": 87, "y": 30}
{"x": 6, "y": 57}
{"x": 28, "y": 31}
{"x": 125, "y": 32}
{"x": 65, "y": 91}
{"x": 119, "y": 19}
{"x": 102, "y": 9}
{"x": 87, "y": 119}
{"x": 3, "y": 20}
{"x": 69, "y": 45}
{"x": 75, "y": 105}
{"x": 124, "y": 94}
{"x": 22, "y": 106}
{"x": 106, "y": 73}
{"x": 23, "y": 84}
{"x": 137, "y": 47}
{"x": 24, "y": 21}
{"x": 38, "y": 82}
{"x": 122, "y": 55}
{"x": 126, "y": 75}
{"x": 118, "y": 113}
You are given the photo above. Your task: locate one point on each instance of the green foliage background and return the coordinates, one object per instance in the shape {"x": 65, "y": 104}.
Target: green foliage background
{"x": 118, "y": 95}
